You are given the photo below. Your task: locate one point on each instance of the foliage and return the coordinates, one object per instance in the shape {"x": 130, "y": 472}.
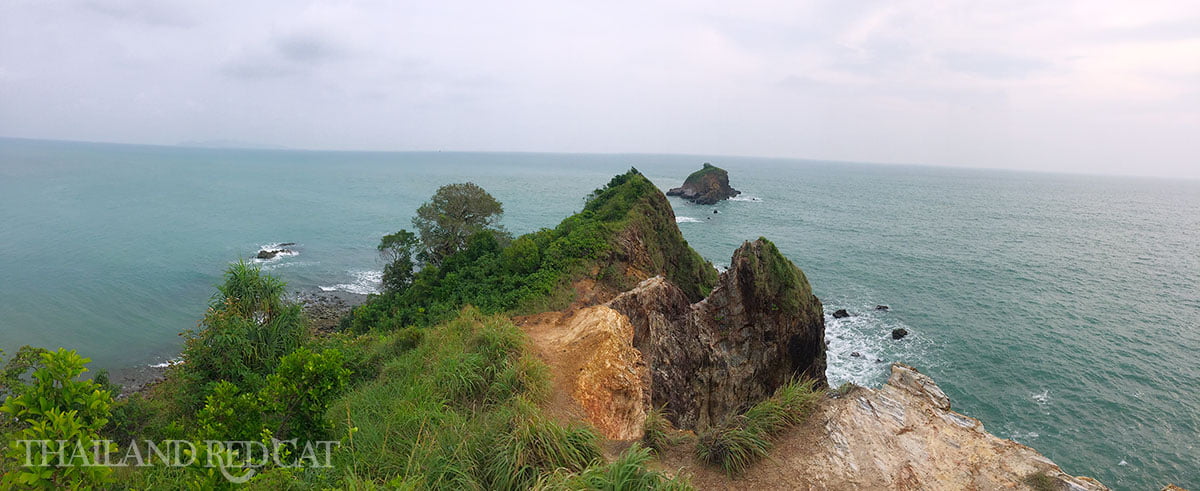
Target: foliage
{"x": 247, "y": 329}
{"x": 458, "y": 411}
{"x": 26, "y": 359}
{"x": 67, "y": 412}
{"x": 301, "y": 390}
{"x": 292, "y": 404}
{"x": 658, "y": 432}
{"x": 745, "y": 438}
{"x": 534, "y": 273}
{"x": 627, "y": 473}
{"x": 454, "y": 214}
{"x": 1040, "y": 481}
{"x": 398, "y": 251}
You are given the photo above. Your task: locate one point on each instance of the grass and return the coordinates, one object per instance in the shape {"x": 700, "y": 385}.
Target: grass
{"x": 1039, "y": 481}
{"x": 743, "y": 439}
{"x": 460, "y": 411}
{"x": 627, "y": 473}
{"x": 657, "y": 432}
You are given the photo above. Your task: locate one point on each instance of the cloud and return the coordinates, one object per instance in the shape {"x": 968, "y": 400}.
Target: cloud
{"x": 993, "y": 65}
{"x": 1023, "y": 84}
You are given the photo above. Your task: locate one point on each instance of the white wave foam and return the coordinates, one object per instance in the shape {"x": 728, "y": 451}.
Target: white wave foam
{"x": 287, "y": 250}
{"x": 168, "y": 363}
{"x": 1042, "y": 398}
{"x": 867, "y": 333}
{"x": 364, "y": 283}
{"x": 744, "y": 197}
{"x": 686, "y": 220}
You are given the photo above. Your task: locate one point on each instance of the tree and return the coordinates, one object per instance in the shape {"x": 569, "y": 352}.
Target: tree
{"x": 398, "y": 250}
{"x": 453, "y": 215}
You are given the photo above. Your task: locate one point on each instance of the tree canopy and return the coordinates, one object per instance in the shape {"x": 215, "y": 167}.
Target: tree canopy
{"x": 452, "y": 216}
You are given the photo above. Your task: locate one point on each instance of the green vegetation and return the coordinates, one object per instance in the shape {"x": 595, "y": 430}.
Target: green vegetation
{"x": 66, "y": 412}
{"x": 657, "y": 432}
{"x": 627, "y": 223}
{"x": 777, "y": 278}
{"x": 1039, "y": 481}
{"x": 746, "y": 438}
{"x": 696, "y": 177}
{"x": 452, "y": 216}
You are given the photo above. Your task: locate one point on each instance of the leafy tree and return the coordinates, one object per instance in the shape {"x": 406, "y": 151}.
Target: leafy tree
{"x": 452, "y": 216}
{"x": 65, "y": 413}
{"x": 398, "y": 250}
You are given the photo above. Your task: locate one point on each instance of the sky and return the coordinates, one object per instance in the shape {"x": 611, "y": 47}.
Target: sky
{"x": 1092, "y": 86}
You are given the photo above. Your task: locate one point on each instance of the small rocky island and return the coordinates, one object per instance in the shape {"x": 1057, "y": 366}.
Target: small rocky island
{"x": 706, "y": 186}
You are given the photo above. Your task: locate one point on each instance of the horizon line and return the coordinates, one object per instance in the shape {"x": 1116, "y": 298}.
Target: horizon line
{"x": 258, "y": 147}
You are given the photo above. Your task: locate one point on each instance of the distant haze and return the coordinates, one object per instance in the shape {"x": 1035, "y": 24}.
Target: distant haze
{"x": 1072, "y": 86}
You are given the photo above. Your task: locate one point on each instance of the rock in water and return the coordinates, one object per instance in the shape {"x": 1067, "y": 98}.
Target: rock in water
{"x": 881, "y": 307}
{"x": 758, "y": 328}
{"x": 899, "y": 333}
{"x": 271, "y": 253}
{"x": 840, "y": 314}
{"x": 706, "y": 186}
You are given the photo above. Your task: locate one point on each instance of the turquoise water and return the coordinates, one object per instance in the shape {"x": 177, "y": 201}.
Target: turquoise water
{"x": 1060, "y": 310}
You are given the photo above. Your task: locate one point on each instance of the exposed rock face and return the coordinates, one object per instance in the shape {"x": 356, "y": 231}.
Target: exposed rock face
{"x": 706, "y": 186}
{"x": 596, "y": 363}
{"x": 708, "y": 360}
{"x": 900, "y": 436}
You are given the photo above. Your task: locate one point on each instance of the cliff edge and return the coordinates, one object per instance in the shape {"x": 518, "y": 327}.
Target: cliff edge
{"x": 706, "y": 186}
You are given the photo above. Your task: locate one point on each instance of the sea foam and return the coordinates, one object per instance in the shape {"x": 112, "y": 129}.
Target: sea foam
{"x": 364, "y": 283}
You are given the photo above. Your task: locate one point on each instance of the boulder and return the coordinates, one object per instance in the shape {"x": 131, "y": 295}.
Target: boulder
{"x": 840, "y": 314}
{"x": 899, "y": 332}
{"x": 881, "y": 307}
{"x": 706, "y": 186}
{"x": 760, "y": 327}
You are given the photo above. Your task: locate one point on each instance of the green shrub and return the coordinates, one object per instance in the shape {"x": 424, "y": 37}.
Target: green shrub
{"x": 246, "y": 330}
{"x": 657, "y": 432}
{"x": 67, "y": 412}
{"x": 627, "y": 473}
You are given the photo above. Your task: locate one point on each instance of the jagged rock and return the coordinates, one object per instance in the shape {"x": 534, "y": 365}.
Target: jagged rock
{"x": 903, "y": 435}
{"x": 271, "y": 253}
{"x": 840, "y": 314}
{"x": 881, "y": 307}
{"x": 855, "y": 354}
{"x": 706, "y": 186}
{"x": 899, "y": 332}
{"x": 715, "y": 212}
{"x": 759, "y": 327}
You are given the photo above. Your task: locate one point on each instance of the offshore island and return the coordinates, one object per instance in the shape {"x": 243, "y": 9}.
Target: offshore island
{"x": 603, "y": 353}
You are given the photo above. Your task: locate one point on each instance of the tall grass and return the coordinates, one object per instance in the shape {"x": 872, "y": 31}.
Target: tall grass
{"x": 627, "y": 473}
{"x": 743, "y": 439}
{"x": 459, "y": 411}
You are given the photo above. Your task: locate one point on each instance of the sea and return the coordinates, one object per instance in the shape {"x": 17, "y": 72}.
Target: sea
{"x": 1061, "y": 310}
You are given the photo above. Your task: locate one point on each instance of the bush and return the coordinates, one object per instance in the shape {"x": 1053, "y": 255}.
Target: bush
{"x": 246, "y": 330}
{"x": 58, "y": 408}
{"x": 745, "y": 438}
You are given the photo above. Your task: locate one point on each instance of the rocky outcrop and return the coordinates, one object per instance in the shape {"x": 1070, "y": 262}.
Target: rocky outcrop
{"x": 706, "y": 186}
{"x": 840, "y": 314}
{"x": 271, "y": 253}
{"x": 901, "y": 436}
{"x": 708, "y": 360}
{"x": 594, "y": 361}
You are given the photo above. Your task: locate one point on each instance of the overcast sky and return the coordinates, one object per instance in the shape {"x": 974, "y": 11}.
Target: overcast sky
{"x": 1078, "y": 86}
